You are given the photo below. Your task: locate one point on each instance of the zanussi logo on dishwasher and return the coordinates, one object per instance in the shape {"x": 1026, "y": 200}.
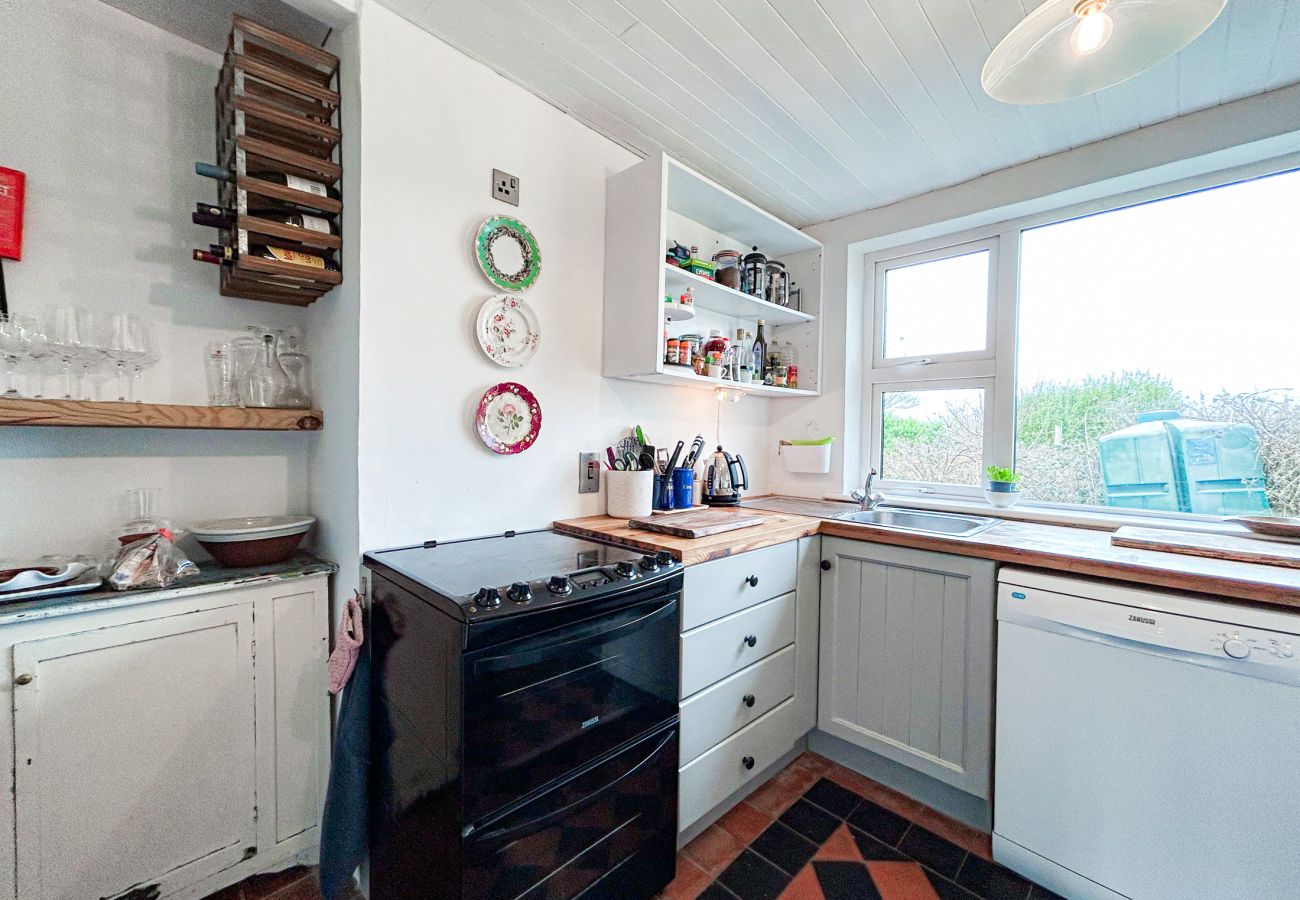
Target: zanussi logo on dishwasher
{"x": 1143, "y": 619}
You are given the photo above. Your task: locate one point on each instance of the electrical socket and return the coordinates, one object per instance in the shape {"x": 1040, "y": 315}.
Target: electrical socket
{"x": 588, "y": 473}
{"x": 505, "y": 187}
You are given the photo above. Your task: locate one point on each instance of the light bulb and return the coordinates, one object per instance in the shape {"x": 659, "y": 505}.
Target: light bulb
{"x": 1092, "y": 32}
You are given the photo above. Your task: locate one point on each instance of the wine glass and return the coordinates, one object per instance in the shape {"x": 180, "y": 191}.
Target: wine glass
{"x": 91, "y": 351}
{"x": 147, "y": 356}
{"x": 36, "y": 351}
{"x": 12, "y": 346}
{"x": 64, "y": 341}
{"x": 123, "y": 347}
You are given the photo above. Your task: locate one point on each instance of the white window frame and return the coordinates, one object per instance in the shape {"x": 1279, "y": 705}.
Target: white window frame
{"x": 997, "y": 367}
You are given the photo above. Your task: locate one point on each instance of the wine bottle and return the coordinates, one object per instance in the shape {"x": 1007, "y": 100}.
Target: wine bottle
{"x": 760, "y": 364}
{"x": 225, "y": 217}
{"x": 212, "y": 221}
{"x": 295, "y": 182}
{"x": 220, "y": 254}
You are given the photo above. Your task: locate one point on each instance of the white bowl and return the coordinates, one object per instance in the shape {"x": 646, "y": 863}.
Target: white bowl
{"x": 1002, "y": 499}
{"x": 251, "y": 528}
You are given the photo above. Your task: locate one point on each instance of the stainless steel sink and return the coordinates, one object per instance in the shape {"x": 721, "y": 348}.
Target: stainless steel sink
{"x": 920, "y": 521}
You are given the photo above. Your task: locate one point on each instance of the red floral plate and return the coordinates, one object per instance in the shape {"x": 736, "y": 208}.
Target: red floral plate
{"x": 509, "y": 418}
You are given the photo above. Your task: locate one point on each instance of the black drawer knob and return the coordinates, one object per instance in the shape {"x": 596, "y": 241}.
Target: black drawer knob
{"x": 748, "y": 762}
{"x": 752, "y": 581}
{"x": 748, "y": 700}
{"x": 751, "y": 639}
{"x": 826, "y": 565}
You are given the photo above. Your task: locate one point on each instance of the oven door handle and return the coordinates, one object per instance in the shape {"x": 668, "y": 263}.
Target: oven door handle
{"x": 532, "y": 649}
{"x": 504, "y": 831}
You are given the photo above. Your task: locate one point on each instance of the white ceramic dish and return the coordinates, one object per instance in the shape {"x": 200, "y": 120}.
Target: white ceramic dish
{"x": 508, "y": 331}
{"x": 220, "y": 531}
{"x": 32, "y": 578}
{"x": 88, "y": 581}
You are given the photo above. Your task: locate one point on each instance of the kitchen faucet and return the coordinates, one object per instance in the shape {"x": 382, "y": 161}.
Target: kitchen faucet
{"x": 867, "y": 498}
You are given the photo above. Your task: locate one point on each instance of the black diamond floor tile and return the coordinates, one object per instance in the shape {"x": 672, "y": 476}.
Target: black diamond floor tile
{"x": 750, "y": 877}
{"x": 845, "y": 881}
{"x": 881, "y": 823}
{"x": 947, "y": 890}
{"x": 784, "y": 846}
{"x": 1038, "y": 892}
{"x": 992, "y": 881}
{"x": 839, "y": 801}
{"x": 939, "y": 854}
{"x": 873, "y": 850}
{"x": 716, "y": 891}
{"x": 811, "y": 822}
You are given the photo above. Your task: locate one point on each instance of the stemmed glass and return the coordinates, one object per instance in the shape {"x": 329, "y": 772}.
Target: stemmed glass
{"x": 147, "y": 357}
{"x": 36, "y": 350}
{"x": 65, "y": 341}
{"x": 13, "y": 345}
{"x": 124, "y": 347}
{"x": 90, "y": 349}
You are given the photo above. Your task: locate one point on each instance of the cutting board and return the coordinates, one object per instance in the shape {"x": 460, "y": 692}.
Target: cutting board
{"x": 697, "y": 524}
{"x": 1215, "y": 546}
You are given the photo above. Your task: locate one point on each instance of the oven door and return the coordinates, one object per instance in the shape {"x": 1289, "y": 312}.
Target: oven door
{"x": 538, "y": 708}
{"x": 608, "y": 831}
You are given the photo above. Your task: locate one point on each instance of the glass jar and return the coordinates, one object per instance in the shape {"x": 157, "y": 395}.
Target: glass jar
{"x": 727, "y": 268}
{"x": 264, "y": 383}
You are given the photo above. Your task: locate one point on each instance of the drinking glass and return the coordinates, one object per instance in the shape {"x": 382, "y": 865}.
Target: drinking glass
{"x": 147, "y": 357}
{"x": 36, "y": 352}
{"x": 12, "y": 346}
{"x": 219, "y": 362}
{"x": 123, "y": 348}
{"x": 64, "y": 341}
{"x": 92, "y": 342}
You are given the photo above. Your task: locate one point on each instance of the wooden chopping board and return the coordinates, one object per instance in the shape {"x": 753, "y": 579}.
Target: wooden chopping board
{"x": 696, "y": 524}
{"x": 1215, "y": 546}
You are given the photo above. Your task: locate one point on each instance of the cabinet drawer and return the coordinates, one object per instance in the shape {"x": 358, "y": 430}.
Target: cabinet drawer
{"x": 720, "y": 772}
{"x": 716, "y": 713}
{"x": 716, "y": 589}
{"x": 716, "y": 650}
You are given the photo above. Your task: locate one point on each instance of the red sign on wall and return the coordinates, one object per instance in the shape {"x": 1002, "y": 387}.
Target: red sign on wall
{"x": 12, "y": 183}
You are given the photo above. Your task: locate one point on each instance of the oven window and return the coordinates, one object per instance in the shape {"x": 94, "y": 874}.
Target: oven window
{"x": 539, "y": 707}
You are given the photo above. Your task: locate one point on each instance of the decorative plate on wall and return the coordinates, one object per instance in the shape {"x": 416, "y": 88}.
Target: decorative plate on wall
{"x": 509, "y": 418}
{"x": 507, "y": 253}
{"x": 507, "y": 331}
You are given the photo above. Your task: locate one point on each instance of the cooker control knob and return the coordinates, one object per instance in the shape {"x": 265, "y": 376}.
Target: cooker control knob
{"x": 649, "y": 563}
{"x": 520, "y": 592}
{"x": 558, "y": 584}
{"x": 664, "y": 558}
{"x": 1236, "y": 648}
{"x": 625, "y": 569}
{"x": 488, "y": 598}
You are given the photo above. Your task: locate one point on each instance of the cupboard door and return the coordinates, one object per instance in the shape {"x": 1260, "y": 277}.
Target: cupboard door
{"x": 134, "y": 750}
{"x": 906, "y": 657}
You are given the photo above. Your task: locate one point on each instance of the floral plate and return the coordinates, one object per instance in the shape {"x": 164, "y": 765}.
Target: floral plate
{"x": 507, "y": 253}
{"x": 509, "y": 418}
{"x": 507, "y": 331}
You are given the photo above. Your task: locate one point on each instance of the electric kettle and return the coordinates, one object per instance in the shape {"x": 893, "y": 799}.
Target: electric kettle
{"x": 725, "y": 477}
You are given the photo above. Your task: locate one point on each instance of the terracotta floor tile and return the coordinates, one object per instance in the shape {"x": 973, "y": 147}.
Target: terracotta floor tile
{"x": 690, "y": 882}
{"x": 804, "y": 886}
{"x": 839, "y": 846}
{"x": 303, "y": 889}
{"x": 779, "y": 794}
{"x": 256, "y": 887}
{"x": 901, "y": 881}
{"x": 713, "y": 850}
{"x": 961, "y": 834}
{"x": 873, "y": 790}
{"x": 744, "y": 822}
{"x": 812, "y": 762}
{"x": 234, "y": 892}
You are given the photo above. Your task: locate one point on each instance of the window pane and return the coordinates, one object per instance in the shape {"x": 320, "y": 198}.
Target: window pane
{"x": 1157, "y": 362}
{"x": 932, "y": 435}
{"x": 937, "y": 307}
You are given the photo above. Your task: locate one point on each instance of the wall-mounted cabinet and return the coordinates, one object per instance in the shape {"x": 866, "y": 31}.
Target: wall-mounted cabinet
{"x": 659, "y": 202}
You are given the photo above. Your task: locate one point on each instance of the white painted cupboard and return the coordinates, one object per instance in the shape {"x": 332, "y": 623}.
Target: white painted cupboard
{"x": 749, "y": 671}
{"x": 906, "y": 667}
{"x": 164, "y": 748}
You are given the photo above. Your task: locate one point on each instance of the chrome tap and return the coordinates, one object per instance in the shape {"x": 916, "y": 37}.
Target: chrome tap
{"x": 867, "y": 498}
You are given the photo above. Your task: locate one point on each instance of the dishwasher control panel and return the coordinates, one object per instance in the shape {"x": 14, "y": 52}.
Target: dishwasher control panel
{"x": 1242, "y": 644}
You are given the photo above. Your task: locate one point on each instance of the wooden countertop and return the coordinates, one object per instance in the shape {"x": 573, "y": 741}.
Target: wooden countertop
{"x": 1058, "y": 548}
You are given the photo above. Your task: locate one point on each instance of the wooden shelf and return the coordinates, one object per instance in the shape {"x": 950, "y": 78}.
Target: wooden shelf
{"x": 719, "y": 298}
{"x": 100, "y": 414}
{"x": 685, "y": 377}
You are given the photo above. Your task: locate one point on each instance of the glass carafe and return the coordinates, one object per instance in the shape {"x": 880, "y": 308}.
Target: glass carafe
{"x": 263, "y": 385}
{"x": 297, "y": 370}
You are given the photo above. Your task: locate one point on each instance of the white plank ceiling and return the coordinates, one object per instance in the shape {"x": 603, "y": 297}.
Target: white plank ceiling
{"x": 815, "y": 109}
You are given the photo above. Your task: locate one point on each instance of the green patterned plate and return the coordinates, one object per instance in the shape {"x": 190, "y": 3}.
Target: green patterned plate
{"x": 507, "y": 253}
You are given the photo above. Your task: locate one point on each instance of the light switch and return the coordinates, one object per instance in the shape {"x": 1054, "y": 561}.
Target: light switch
{"x": 588, "y": 473}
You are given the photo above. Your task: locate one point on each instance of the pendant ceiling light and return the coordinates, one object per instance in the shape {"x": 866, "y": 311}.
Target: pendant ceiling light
{"x": 1070, "y": 48}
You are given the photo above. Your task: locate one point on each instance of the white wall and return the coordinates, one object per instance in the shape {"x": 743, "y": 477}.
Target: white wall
{"x": 435, "y": 125}
{"x": 107, "y": 114}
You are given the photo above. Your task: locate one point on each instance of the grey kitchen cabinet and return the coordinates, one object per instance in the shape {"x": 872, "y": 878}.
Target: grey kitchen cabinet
{"x": 906, "y": 665}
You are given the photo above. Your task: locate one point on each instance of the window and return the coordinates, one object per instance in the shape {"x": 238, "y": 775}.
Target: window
{"x": 1142, "y": 355}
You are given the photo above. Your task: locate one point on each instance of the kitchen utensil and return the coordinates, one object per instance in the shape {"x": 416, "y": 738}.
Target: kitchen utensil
{"x": 629, "y": 494}
{"x": 609, "y": 456}
{"x": 724, "y": 478}
{"x": 697, "y": 447}
{"x": 1275, "y": 526}
{"x": 753, "y": 274}
{"x": 507, "y": 253}
{"x": 696, "y": 524}
{"x": 672, "y": 460}
{"x": 646, "y": 458}
{"x": 508, "y": 331}
{"x": 628, "y": 445}
{"x": 627, "y": 463}
{"x": 253, "y": 541}
{"x": 509, "y": 418}
{"x": 639, "y": 435}
{"x": 28, "y": 576}
{"x": 683, "y": 487}
{"x": 778, "y": 283}
{"x": 88, "y": 581}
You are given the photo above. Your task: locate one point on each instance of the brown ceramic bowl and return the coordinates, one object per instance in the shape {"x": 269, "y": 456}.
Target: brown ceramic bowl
{"x": 256, "y": 552}
{"x": 257, "y": 541}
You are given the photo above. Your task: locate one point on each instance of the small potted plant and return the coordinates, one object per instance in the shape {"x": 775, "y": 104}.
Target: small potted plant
{"x": 1003, "y": 487}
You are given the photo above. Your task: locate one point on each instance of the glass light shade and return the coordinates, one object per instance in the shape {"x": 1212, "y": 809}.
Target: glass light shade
{"x": 1046, "y": 58}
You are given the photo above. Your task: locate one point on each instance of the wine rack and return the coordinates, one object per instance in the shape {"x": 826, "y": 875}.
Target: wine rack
{"x": 277, "y": 108}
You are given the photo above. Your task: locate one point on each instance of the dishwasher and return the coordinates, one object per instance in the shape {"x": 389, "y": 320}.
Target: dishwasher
{"x": 1148, "y": 743}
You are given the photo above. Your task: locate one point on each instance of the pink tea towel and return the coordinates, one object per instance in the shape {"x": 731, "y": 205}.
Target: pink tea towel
{"x": 347, "y": 644}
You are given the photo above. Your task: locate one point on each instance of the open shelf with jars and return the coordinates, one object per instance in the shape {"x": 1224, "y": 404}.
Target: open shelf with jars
{"x": 100, "y": 414}
{"x": 660, "y": 203}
